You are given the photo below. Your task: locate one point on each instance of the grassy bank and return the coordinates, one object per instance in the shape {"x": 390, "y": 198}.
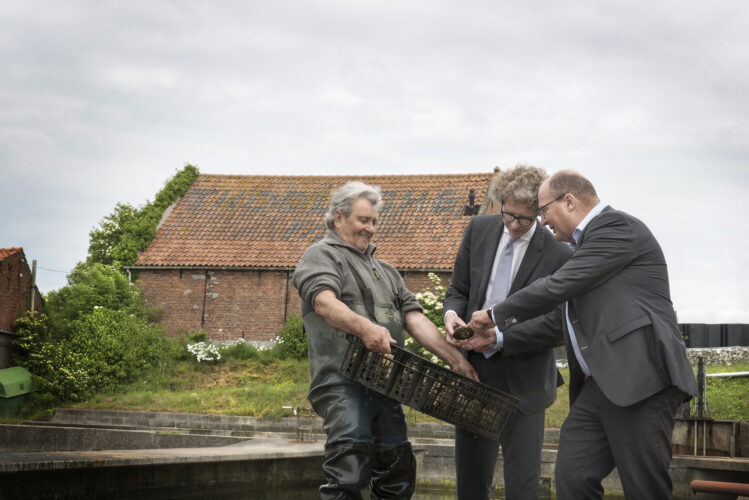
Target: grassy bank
{"x": 261, "y": 388}
{"x": 247, "y": 387}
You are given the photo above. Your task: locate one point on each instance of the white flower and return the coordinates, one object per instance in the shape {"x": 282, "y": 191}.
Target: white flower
{"x": 204, "y": 352}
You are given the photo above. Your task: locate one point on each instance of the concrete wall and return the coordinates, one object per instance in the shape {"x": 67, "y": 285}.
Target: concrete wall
{"x": 433, "y": 443}
{"x": 718, "y": 438}
{"x": 179, "y": 478}
{"x": 26, "y": 438}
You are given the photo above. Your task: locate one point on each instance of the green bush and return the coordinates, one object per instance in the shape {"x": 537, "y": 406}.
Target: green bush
{"x": 291, "y": 341}
{"x": 91, "y": 286}
{"x": 197, "y": 336}
{"x": 55, "y": 368}
{"x": 32, "y": 331}
{"x": 239, "y": 350}
{"x": 103, "y": 350}
{"x": 117, "y": 346}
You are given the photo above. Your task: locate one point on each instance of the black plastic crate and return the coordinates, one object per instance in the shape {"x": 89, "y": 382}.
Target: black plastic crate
{"x": 430, "y": 388}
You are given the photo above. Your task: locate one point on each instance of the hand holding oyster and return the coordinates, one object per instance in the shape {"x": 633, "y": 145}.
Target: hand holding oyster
{"x": 462, "y": 333}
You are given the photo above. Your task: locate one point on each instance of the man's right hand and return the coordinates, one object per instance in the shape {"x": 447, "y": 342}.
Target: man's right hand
{"x": 338, "y": 315}
{"x": 377, "y": 338}
{"x": 452, "y": 321}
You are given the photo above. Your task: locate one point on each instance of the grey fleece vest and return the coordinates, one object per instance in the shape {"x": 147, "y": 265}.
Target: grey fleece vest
{"x": 327, "y": 345}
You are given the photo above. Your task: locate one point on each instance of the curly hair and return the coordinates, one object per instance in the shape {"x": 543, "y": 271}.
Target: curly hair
{"x": 519, "y": 184}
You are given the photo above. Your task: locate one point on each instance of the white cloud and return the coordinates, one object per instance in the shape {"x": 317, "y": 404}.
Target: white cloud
{"x": 104, "y": 101}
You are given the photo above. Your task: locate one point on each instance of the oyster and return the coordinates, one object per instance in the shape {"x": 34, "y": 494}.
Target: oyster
{"x": 462, "y": 333}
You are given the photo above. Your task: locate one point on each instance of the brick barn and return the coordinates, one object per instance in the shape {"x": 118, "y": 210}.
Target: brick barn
{"x": 224, "y": 254}
{"x": 16, "y": 295}
{"x": 15, "y": 287}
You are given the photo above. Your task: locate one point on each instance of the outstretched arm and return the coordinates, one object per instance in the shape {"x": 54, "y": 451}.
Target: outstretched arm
{"x": 428, "y": 335}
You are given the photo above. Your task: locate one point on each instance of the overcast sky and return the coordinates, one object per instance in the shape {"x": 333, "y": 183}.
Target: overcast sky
{"x": 102, "y": 101}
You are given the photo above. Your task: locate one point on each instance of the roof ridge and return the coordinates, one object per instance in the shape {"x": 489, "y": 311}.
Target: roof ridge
{"x": 347, "y": 176}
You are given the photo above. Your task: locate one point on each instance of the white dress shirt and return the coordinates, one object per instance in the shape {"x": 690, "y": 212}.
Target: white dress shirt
{"x": 521, "y": 245}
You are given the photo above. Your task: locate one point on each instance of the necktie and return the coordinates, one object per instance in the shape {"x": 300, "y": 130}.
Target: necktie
{"x": 502, "y": 281}
{"x": 503, "y": 274}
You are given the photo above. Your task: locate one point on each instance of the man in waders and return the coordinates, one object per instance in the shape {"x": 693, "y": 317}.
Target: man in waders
{"x": 367, "y": 442}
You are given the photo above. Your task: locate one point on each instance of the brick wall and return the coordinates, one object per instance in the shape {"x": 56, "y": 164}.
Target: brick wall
{"x": 15, "y": 280}
{"x": 419, "y": 281}
{"x": 231, "y": 305}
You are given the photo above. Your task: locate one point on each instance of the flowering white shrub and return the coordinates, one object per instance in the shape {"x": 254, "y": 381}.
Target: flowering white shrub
{"x": 432, "y": 304}
{"x": 416, "y": 348}
{"x": 204, "y": 351}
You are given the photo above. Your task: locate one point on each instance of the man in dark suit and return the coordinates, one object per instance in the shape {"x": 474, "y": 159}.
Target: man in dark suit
{"x": 500, "y": 252}
{"x": 628, "y": 366}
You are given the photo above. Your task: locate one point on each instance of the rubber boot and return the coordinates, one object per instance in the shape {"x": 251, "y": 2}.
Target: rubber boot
{"x": 394, "y": 473}
{"x": 347, "y": 469}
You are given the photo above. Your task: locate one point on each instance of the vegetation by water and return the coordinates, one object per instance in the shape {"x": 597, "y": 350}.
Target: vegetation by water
{"x": 261, "y": 387}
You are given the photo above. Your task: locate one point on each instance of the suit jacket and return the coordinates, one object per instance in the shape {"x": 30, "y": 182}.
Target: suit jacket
{"x": 617, "y": 286}
{"x": 532, "y": 378}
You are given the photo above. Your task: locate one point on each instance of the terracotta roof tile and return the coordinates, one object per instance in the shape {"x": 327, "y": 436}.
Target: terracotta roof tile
{"x": 7, "y": 252}
{"x": 267, "y": 221}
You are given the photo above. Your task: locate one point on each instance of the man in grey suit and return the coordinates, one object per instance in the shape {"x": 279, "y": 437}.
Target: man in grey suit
{"x": 628, "y": 366}
{"x": 500, "y": 252}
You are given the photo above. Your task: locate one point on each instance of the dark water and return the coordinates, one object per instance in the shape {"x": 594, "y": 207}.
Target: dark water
{"x": 310, "y": 493}
{"x": 302, "y": 493}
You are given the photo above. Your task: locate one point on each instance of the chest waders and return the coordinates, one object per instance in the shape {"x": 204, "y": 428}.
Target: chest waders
{"x": 367, "y": 441}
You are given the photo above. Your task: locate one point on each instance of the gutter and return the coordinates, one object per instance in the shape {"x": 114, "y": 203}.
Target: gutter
{"x": 267, "y": 268}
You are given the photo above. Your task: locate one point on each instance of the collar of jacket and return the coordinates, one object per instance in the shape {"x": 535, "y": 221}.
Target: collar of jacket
{"x": 333, "y": 239}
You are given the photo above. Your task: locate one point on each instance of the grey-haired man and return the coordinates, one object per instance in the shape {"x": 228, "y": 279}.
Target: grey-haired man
{"x": 366, "y": 433}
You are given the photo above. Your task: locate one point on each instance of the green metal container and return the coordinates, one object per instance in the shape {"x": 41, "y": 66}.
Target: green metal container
{"x": 15, "y": 385}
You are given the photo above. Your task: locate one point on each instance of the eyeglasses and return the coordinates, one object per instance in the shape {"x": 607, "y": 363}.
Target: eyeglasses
{"x": 542, "y": 210}
{"x": 509, "y": 218}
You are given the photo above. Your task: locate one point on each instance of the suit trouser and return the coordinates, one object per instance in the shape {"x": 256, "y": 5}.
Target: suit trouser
{"x": 521, "y": 440}
{"x": 598, "y": 436}
{"x": 475, "y": 458}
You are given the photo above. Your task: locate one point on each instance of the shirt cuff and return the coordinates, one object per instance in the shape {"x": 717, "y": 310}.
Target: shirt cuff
{"x": 444, "y": 317}
{"x": 500, "y": 339}
{"x": 497, "y": 345}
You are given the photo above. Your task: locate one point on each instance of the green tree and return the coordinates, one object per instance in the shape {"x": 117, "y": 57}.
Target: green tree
{"x": 127, "y": 231}
{"x": 91, "y": 286}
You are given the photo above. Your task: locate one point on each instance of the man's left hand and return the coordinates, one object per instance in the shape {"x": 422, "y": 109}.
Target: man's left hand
{"x": 482, "y": 341}
{"x": 480, "y": 320}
